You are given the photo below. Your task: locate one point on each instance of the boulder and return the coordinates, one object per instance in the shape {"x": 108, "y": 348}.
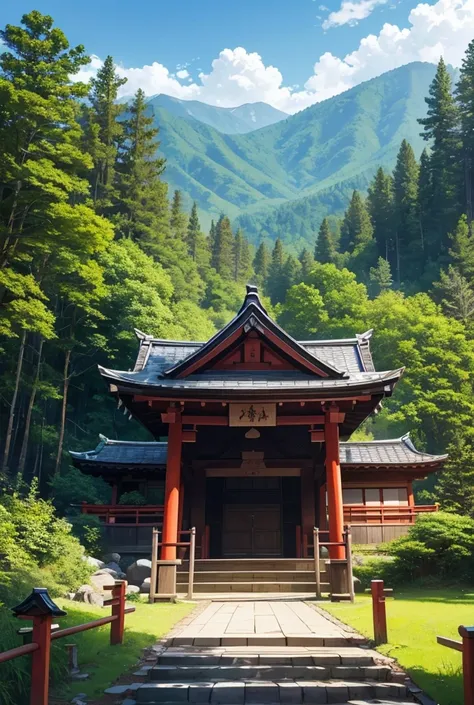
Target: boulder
{"x": 126, "y": 561}
{"x": 145, "y": 586}
{"x": 81, "y": 592}
{"x": 139, "y": 571}
{"x": 115, "y": 567}
{"x": 100, "y": 580}
{"x": 116, "y": 575}
{"x": 112, "y": 558}
{"x": 132, "y": 590}
{"x": 95, "y": 598}
{"x": 93, "y": 562}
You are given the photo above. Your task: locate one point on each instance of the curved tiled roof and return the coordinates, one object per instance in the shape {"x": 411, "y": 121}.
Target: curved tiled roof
{"x": 124, "y": 453}
{"x": 399, "y": 451}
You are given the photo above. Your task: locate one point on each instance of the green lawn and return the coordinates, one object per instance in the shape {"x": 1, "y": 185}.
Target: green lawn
{"x": 414, "y": 619}
{"x": 103, "y": 662}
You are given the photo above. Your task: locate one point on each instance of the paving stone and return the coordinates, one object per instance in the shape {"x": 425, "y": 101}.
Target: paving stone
{"x": 206, "y": 641}
{"x": 200, "y": 692}
{"x": 234, "y": 641}
{"x": 261, "y": 692}
{"x": 337, "y": 692}
{"x": 116, "y": 690}
{"x": 239, "y": 660}
{"x": 361, "y": 690}
{"x": 229, "y": 693}
{"x": 326, "y": 659}
{"x": 289, "y": 692}
{"x": 313, "y": 691}
{"x": 343, "y": 672}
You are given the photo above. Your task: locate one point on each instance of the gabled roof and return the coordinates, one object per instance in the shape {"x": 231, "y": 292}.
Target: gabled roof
{"x": 399, "y": 451}
{"x": 110, "y": 452}
{"x": 253, "y": 316}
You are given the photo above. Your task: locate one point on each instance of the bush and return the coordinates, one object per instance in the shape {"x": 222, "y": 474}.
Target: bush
{"x": 73, "y": 488}
{"x": 136, "y": 498}
{"x": 89, "y": 530}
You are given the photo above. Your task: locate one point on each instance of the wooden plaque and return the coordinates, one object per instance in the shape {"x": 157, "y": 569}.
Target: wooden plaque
{"x": 252, "y": 414}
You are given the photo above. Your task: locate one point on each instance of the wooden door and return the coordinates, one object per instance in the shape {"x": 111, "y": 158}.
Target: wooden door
{"x": 251, "y": 530}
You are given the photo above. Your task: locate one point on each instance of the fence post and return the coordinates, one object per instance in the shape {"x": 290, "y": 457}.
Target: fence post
{"x": 118, "y": 610}
{"x": 192, "y": 551}
{"x": 154, "y": 565}
{"x": 350, "y": 577}
{"x": 467, "y": 634}
{"x": 379, "y": 612}
{"x": 317, "y": 568}
{"x": 41, "y": 609}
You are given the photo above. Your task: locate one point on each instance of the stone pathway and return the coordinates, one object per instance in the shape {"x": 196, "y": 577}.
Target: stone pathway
{"x": 266, "y": 653}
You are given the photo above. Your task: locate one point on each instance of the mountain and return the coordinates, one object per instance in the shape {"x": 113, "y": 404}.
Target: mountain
{"x": 280, "y": 180}
{"x": 230, "y": 121}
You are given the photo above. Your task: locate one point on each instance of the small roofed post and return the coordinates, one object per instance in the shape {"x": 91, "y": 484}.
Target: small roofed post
{"x": 39, "y": 607}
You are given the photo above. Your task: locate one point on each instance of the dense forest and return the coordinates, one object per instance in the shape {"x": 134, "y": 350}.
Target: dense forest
{"x": 93, "y": 246}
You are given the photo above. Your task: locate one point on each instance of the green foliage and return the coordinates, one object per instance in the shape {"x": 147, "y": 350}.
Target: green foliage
{"x": 136, "y": 498}
{"x": 73, "y": 487}
{"x": 325, "y": 250}
{"x": 89, "y": 530}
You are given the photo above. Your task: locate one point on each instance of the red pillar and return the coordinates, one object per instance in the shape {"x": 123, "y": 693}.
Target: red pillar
{"x": 40, "y": 660}
{"x": 172, "y": 485}
{"x": 334, "y": 486}
{"x": 322, "y": 508}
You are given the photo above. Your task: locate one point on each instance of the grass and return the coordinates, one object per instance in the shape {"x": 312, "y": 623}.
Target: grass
{"x": 414, "y": 619}
{"x": 106, "y": 663}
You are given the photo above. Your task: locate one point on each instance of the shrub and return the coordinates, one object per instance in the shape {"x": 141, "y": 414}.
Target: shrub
{"x": 136, "y": 498}
{"x": 73, "y": 488}
{"x": 89, "y": 530}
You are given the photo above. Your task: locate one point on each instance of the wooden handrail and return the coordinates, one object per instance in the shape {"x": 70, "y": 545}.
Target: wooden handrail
{"x": 382, "y": 513}
{"x": 83, "y": 627}
{"x": 450, "y": 643}
{"x": 18, "y": 651}
{"x": 466, "y": 647}
{"x": 156, "y": 544}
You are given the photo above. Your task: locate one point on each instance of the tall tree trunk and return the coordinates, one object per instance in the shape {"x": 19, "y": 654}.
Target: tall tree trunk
{"x": 11, "y": 418}
{"x": 66, "y": 380}
{"x": 29, "y": 413}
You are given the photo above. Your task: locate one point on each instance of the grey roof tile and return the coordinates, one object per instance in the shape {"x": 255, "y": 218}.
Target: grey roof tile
{"x": 399, "y": 451}
{"x": 125, "y": 453}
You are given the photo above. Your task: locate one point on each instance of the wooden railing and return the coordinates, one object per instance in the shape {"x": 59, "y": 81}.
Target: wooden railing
{"x": 385, "y": 514}
{"x": 40, "y": 608}
{"x": 155, "y": 560}
{"x": 131, "y": 515}
{"x": 466, "y": 647}
{"x": 316, "y": 547}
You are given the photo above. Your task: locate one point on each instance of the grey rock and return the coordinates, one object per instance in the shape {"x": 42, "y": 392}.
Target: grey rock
{"x": 93, "y": 562}
{"x": 132, "y": 590}
{"x": 112, "y": 558}
{"x": 145, "y": 586}
{"x": 113, "y": 565}
{"x": 96, "y": 598}
{"x": 139, "y": 571}
{"x": 82, "y": 592}
{"x": 116, "y": 690}
{"x": 107, "y": 571}
{"x": 100, "y": 580}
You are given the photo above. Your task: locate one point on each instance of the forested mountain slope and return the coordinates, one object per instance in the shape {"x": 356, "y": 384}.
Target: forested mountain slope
{"x": 267, "y": 176}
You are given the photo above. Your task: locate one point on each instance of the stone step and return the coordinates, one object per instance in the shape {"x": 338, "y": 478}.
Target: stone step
{"x": 266, "y": 640}
{"x": 252, "y": 576}
{"x": 342, "y": 657}
{"x": 270, "y": 672}
{"x": 259, "y": 691}
{"x": 224, "y": 564}
{"x": 208, "y": 587}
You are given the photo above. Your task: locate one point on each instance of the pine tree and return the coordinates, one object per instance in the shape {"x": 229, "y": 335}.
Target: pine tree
{"x": 194, "y": 231}
{"x": 407, "y": 225}
{"x": 141, "y": 212}
{"x": 105, "y": 133}
{"x": 380, "y": 277}
{"x": 275, "y": 284}
{"x": 462, "y": 249}
{"x": 465, "y": 100}
{"x": 307, "y": 261}
{"x": 356, "y": 229}
{"x": 441, "y": 130}
{"x": 457, "y": 296}
{"x": 242, "y": 260}
{"x": 291, "y": 274}
{"x": 325, "y": 251}
{"x": 212, "y": 235}
{"x": 380, "y": 205}
{"x": 425, "y": 197}
{"x": 178, "y": 218}
{"x": 261, "y": 264}
{"x": 222, "y": 256}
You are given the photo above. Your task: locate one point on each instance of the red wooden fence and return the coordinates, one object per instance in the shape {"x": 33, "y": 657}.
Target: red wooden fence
{"x": 40, "y": 608}
{"x": 466, "y": 647}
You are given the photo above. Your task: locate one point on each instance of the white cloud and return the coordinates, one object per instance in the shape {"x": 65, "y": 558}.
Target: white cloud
{"x": 182, "y": 73}
{"x": 237, "y": 76}
{"x": 351, "y": 12}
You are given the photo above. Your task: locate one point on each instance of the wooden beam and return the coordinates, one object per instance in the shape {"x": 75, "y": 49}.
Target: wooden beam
{"x": 205, "y": 420}
{"x": 299, "y": 420}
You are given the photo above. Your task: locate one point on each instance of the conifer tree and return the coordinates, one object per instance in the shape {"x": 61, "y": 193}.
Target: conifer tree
{"x": 222, "y": 256}
{"x": 356, "y": 229}
{"x": 275, "y": 284}
{"x": 105, "y": 132}
{"x": 261, "y": 263}
{"x": 457, "y": 296}
{"x": 307, "y": 261}
{"x": 407, "y": 224}
{"x": 142, "y": 205}
{"x": 441, "y": 130}
{"x": 178, "y": 218}
{"x": 380, "y": 277}
{"x": 291, "y": 274}
{"x": 325, "y": 251}
{"x": 462, "y": 249}
{"x": 380, "y": 205}
{"x": 465, "y": 99}
{"x": 242, "y": 260}
{"x": 425, "y": 197}
{"x": 193, "y": 233}
{"x": 212, "y": 235}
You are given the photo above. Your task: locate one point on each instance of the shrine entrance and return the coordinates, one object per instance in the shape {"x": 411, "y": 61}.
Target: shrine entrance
{"x": 251, "y": 531}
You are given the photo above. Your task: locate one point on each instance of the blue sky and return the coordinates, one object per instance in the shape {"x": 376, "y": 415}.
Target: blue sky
{"x": 290, "y": 53}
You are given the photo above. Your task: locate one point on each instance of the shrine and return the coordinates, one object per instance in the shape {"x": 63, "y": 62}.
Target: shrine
{"x": 252, "y": 445}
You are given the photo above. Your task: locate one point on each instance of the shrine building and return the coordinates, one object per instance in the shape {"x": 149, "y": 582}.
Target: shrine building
{"x": 252, "y": 446}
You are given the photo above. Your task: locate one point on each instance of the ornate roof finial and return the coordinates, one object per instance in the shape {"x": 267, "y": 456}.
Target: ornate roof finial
{"x": 252, "y": 297}
{"x": 38, "y": 603}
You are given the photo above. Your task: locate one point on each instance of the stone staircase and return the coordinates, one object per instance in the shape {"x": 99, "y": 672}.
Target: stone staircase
{"x": 250, "y": 575}
{"x": 265, "y": 674}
